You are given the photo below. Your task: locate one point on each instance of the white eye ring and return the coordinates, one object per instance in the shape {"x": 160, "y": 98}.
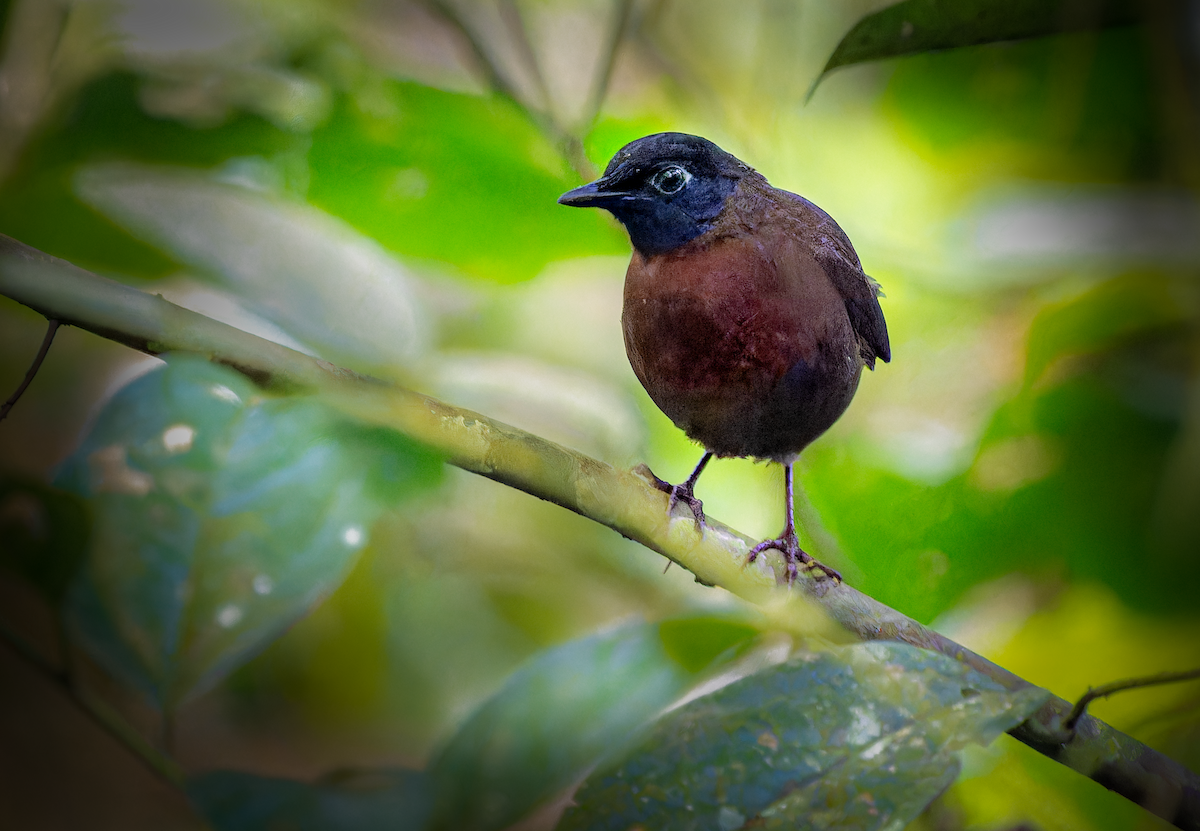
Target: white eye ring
{"x": 670, "y": 180}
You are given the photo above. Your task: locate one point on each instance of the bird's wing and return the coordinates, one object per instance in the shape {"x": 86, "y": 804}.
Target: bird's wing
{"x": 861, "y": 294}
{"x": 831, "y": 249}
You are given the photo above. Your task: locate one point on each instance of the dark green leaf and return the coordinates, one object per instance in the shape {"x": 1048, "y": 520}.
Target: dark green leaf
{"x": 43, "y": 534}
{"x": 916, "y": 26}
{"x": 563, "y": 711}
{"x": 858, "y": 738}
{"x": 219, "y": 518}
{"x": 354, "y": 800}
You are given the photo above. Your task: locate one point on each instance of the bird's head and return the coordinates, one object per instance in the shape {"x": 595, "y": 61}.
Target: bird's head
{"x": 666, "y": 189}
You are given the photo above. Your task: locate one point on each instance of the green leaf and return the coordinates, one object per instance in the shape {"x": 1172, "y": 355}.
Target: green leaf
{"x": 344, "y": 801}
{"x": 916, "y": 26}
{"x": 345, "y": 295}
{"x": 559, "y": 714}
{"x": 220, "y": 517}
{"x": 105, "y": 121}
{"x": 43, "y": 534}
{"x": 862, "y": 737}
{"x": 460, "y": 179}
{"x": 1114, "y": 313}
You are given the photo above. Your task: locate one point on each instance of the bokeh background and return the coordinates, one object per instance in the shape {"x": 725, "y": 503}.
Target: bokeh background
{"x": 374, "y": 182}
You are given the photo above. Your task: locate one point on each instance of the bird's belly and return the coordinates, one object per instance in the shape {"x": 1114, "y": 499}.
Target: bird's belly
{"x": 743, "y": 380}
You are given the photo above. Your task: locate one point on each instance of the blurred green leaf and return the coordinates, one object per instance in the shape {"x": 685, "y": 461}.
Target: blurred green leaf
{"x": 694, "y": 643}
{"x": 461, "y": 178}
{"x": 862, "y": 737}
{"x": 1113, "y": 313}
{"x": 1075, "y": 108}
{"x": 220, "y": 518}
{"x": 105, "y": 122}
{"x": 43, "y": 534}
{"x": 915, "y": 26}
{"x": 1065, "y": 482}
{"x": 343, "y": 294}
{"x": 353, "y": 800}
{"x": 564, "y": 710}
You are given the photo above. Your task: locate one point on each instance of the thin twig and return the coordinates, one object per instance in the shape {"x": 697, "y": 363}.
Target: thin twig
{"x": 569, "y": 144}
{"x": 33, "y": 370}
{"x": 622, "y": 11}
{"x": 98, "y": 710}
{"x": 515, "y": 23}
{"x": 496, "y": 79}
{"x": 1105, "y": 690}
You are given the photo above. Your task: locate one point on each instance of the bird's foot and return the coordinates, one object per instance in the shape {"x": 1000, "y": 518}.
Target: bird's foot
{"x": 795, "y": 557}
{"x": 677, "y": 493}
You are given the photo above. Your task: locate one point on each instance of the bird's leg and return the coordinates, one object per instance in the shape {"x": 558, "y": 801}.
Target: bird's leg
{"x": 685, "y": 492}
{"x": 788, "y": 543}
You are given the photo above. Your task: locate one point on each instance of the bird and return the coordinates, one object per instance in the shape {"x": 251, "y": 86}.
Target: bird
{"x": 747, "y": 315}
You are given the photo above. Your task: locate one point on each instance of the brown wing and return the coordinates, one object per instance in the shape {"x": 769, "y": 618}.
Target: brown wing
{"x": 832, "y": 249}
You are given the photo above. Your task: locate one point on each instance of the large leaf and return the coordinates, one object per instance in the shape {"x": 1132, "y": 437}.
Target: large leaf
{"x": 916, "y": 26}
{"x": 219, "y": 518}
{"x": 858, "y": 738}
{"x": 462, "y": 179}
{"x": 295, "y": 265}
{"x": 559, "y": 714}
{"x": 106, "y": 121}
{"x": 397, "y": 800}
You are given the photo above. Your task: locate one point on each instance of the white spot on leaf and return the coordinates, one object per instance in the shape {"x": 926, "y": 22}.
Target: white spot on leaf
{"x": 225, "y": 394}
{"x": 263, "y": 584}
{"x": 864, "y": 728}
{"x": 229, "y": 615}
{"x": 178, "y": 438}
{"x": 353, "y": 536}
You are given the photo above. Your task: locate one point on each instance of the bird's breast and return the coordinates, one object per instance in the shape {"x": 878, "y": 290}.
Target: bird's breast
{"x": 743, "y": 352}
{"x": 721, "y": 313}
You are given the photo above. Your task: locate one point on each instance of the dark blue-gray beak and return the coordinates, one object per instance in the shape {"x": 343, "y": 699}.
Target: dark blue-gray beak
{"x": 592, "y": 195}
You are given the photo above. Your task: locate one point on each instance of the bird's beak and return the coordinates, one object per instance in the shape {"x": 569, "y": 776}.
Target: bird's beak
{"x": 592, "y": 195}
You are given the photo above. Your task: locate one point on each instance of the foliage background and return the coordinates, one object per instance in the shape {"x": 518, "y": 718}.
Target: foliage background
{"x": 375, "y": 182}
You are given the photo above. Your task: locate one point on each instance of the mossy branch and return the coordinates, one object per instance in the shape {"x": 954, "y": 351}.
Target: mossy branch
{"x": 620, "y": 499}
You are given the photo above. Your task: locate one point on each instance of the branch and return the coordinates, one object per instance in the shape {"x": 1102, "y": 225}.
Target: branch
{"x": 620, "y": 499}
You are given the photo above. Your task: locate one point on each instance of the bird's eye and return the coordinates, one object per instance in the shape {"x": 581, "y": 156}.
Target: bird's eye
{"x": 670, "y": 180}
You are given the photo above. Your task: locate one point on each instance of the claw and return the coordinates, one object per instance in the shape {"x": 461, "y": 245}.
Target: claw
{"x": 678, "y": 493}
{"x": 795, "y": 557}
{"x": 681, "y": 493}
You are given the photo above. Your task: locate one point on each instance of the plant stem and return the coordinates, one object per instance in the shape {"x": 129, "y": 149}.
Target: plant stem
{"x": 1105, "y": 690}
{"x": 33, "y": 370}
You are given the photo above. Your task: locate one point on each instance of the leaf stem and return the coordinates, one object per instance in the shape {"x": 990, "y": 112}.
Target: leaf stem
{"x": 33, "y": 369}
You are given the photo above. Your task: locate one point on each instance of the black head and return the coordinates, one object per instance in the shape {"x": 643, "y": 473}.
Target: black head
{"x": 665, "y": 189}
